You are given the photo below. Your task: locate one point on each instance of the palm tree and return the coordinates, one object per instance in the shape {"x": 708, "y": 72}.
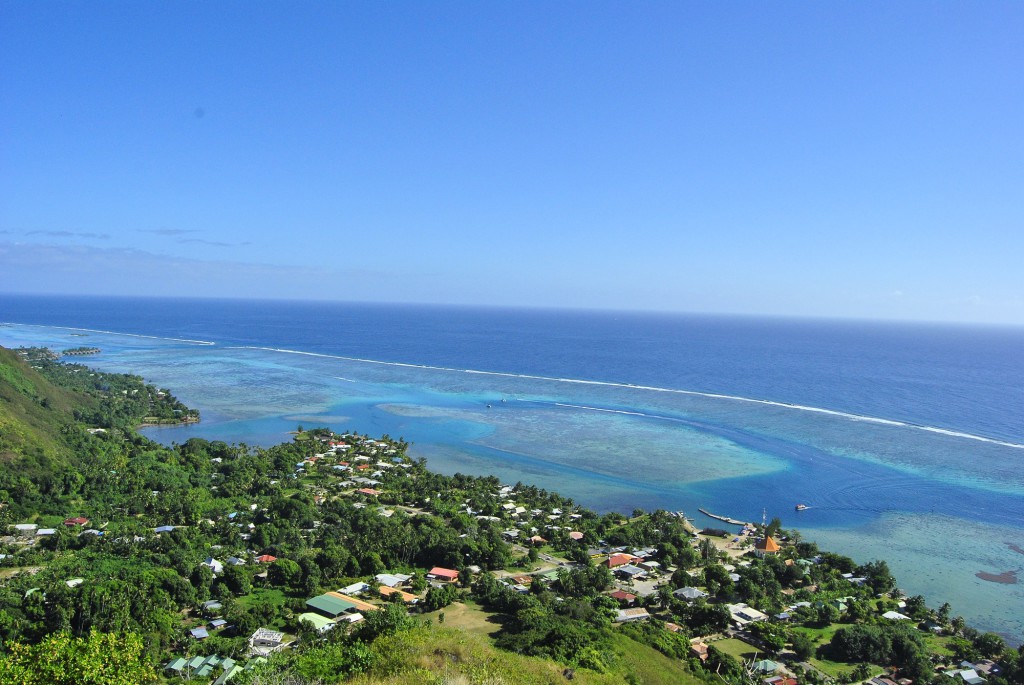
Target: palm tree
{"x": 707, "y": 549}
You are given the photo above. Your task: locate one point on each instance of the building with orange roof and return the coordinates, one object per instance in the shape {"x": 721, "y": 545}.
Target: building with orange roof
{"x": 765, "y": 546}
{"x": 386, "y": 593}
{"x": 359, "y": 604}
{"x": 620, "y": 559}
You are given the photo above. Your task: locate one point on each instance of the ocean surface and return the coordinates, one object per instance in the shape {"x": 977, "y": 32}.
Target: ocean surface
{"x": 905, "y": 441}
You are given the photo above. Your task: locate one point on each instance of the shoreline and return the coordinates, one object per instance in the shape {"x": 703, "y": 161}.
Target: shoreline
{"x": 169, "y": 424}
{"x": 962, "y": 602}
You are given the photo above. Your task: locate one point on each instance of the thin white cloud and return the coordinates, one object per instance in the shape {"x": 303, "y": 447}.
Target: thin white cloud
{"x": 85, "y": 269}
{"x": 168, "y": 231}
{"x": 214, "y": 243}
{"x": 70, "y": 234}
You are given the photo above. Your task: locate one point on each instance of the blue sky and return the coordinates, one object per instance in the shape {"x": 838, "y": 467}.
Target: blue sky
{"x": 812, "y": 159}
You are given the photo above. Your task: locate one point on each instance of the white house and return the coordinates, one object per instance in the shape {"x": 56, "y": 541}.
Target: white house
{"x": 265, "y": 641}
{"x": 214, "y": 565}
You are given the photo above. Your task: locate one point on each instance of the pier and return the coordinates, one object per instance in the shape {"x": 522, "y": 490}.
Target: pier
{"x": 724, "y": 519}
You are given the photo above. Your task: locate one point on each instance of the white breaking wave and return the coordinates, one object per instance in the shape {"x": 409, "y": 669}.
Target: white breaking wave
{"x": 649, "y": 388}
{"x": 128, "y": 335}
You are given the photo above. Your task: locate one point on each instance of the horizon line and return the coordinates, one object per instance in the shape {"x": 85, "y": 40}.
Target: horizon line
{"x": 538, "y": 308}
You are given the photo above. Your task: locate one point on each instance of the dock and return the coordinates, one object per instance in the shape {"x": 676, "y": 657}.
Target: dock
{"x": 724, "y": 519}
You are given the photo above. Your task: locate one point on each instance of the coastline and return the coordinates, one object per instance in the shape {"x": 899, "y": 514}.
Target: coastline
{"x": 859, "y": 511}
{"x": 169, "y": 423}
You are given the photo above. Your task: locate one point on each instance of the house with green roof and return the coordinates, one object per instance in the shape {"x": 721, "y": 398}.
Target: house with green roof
{"x": 199, "y": 666}
{"x": 330, "y": 606}
{"x": 228, "y": 673}
{"x": 321, "y": 623}
{"x": 177, "y": 665}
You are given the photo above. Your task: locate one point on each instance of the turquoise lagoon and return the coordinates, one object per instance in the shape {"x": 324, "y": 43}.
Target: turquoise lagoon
{"x": 937, "y": 505}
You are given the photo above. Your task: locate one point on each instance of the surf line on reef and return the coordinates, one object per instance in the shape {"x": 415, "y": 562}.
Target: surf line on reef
{"x": 650, "y": 388}
{"x": 128, "y": 335}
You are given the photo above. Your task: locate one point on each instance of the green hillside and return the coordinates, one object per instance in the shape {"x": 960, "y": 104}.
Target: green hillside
{"x": 63, "y": 426}
{"x": 33, "y": 415}
{"x": 453, "y": 656}
{"x": 440, "y": 655}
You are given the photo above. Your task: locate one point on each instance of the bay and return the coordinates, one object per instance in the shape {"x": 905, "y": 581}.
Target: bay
{"x": 905, "y": 441}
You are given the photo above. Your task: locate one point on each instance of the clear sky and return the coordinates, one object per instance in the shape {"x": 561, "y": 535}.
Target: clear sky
{"x": 852, "y": 159}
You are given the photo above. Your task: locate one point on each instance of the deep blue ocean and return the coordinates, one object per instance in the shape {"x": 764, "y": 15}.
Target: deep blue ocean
{"x": 905, "y": 440}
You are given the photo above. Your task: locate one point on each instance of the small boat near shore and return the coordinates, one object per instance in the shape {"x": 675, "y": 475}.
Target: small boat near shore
{"x": 801, "y": 507}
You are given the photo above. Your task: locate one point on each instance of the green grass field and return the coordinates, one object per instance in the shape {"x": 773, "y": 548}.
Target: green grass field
{"x": 272, "y": 597}
{"x": 739, "y": 649}
{"x": 467, "y": 616}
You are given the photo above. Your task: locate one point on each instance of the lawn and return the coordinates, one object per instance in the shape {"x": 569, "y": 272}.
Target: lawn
{"x": 739, "y": 649}
{"x": 838, "y": 670}
{"x": 820, "y": 635}
{"x": 467, "y": 616}
{"x": 271, "y": 596}
{"x": 938, "y": 644}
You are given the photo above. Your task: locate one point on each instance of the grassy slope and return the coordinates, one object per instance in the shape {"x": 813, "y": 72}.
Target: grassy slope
{"x": 647, "y": 664}
{"x": 32, "y": 411}
{"x": 453, "y": 656}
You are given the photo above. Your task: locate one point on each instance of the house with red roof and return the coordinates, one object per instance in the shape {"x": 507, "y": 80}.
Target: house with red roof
{"x": 622, "y": 597}
{"x": 620, "y": 559}
{"x": 266, "y": 559}
{"x": 76, "y": 521}
{"x": 446, "y": 575}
